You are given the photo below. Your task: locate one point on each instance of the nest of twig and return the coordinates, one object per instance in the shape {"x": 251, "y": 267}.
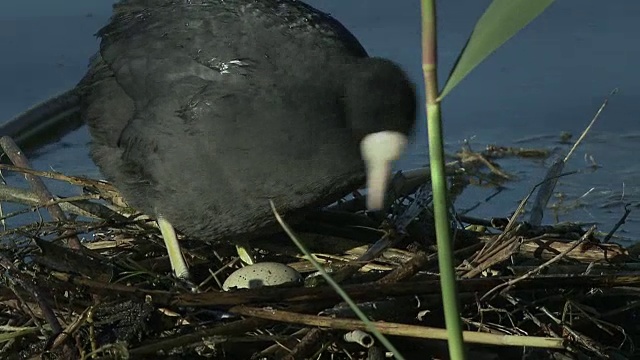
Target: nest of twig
{"x": 99, "y": 286}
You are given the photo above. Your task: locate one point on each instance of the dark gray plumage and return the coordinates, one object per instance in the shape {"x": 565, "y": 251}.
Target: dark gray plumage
{"x": 202, "y": 111}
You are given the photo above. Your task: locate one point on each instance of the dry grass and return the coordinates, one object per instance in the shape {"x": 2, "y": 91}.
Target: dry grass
{"x": 98, "y": 286}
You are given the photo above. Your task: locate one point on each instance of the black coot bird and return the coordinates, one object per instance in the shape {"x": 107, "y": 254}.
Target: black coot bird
{"x": 201, "y": 111}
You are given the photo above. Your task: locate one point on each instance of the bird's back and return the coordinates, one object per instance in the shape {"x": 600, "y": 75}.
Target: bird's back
{"x": 204, "y": 110}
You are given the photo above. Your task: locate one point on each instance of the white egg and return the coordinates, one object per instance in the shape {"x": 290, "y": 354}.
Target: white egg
{"x": 261, "y": 274}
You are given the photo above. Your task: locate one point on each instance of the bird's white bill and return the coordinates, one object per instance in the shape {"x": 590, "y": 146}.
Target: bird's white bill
{"x": 379, "y": 151}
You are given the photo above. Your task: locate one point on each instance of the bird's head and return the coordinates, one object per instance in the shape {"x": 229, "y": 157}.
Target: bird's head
{"x": 380, "y": 108}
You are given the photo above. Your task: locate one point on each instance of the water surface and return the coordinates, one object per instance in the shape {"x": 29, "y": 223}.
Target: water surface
{"x": 550, "y": 78}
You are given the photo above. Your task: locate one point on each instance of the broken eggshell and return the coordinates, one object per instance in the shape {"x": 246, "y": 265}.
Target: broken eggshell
{"x": 261, "y": 274}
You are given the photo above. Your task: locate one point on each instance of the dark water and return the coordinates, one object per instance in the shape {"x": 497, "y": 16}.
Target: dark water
{"x": 550, "y": 78}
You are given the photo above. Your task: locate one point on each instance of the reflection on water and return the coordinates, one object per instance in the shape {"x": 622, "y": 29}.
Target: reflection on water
{"x": 604, "y": 178}
{"x": 550, "y": 78}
